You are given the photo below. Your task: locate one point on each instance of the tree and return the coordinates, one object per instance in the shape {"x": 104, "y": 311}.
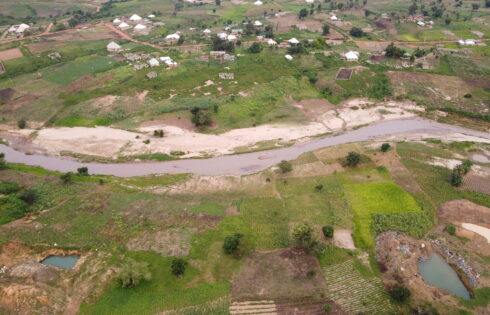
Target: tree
{"x": 29, "y": 196}
{"x": 392, "y": 51}
{"x": 82, "y": 171}
{"x": 466, "y": 166}
{"x": 66, "y": 178}
{"x": 385, "y": 147}
{"x": 356, "y": 32}
{"x": 222, "y": 44}
{"x": 457, "y": 176}
{"x": 21, "y": 124}
{"x": 158, "y": 133}
{"x": 255, "y": 48}
{"x": 303, "y": 13}
{"x": 487, "y": 3}
{"x": 400, "y": 293}
{"x": 133, "y": 272}
{"x": 231, "y": 244}
{"x": 304, "y": 238}
{"x": 3, "y": 163}
{"x": 352, "y": 159}
{"x": 178, "y": 266}
{"x": 296, "y": 48}
{"x": 218, "y": 2}
{"x": 285, "y": 167}
{"x": 328, "y": 231}
{"x": 201, "y": 118}
{"x": 475, "y": 6}
{"x": 451, "y": 229}
{"x": 447, "y": 21}
{"x": 325, "y": 29}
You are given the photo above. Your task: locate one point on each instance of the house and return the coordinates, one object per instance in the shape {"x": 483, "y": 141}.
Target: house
{"x": 352, "y": 56}
{"x": 113, "y": 47}
{"x": 172, "y": 38}
{"x": 135, "y": 18}
{"x": 139, "y": 27}
{"x": 258, "y": 3}
{"x": 124, "y": 25}
{"x": 237, "y": 31}
{"x": 116, "y": 21}
{"x": 18, "y": 28}
{"x": 420, "y": 23}
{"x": 231, "y": 38}
{"x": 310, "y": 1}
{"x": 288, "y": 57}
{"x": 153, "y": 62}
{"x": 334, "y": 18}
{"x": 293, "y": 41}
{"x": 271, "y": 42}
{"x": 218, "y": 54}
{"x": 467, "y": 42}
{"x": 222, "y": 36}
{"x": 258, "y": 23}
{"x": 151, "y": 16}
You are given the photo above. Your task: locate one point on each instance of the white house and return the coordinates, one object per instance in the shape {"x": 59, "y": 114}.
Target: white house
{"x": 153, "y": 62}
{"x": 420, "y": 23}
{"x": 257, "y": 23}
{"x": 271, "y": 42}
{"x": 124, "y": 25}
{"x": 352, "y": 56}
{"x": 207, "y": 31}
{"x": 135, "y": 18}
{"x": 172, "y": 38}
{"x": 310, "y": 1}
{"x": 151, "y": 16}
{"x": 139, "y": 27}
{"x": 467, "y": 42}
{"x": 334, "y": 18}
{"x": 113, "y": 47}
{"x": 258, "y": 2}
{"x": 222, "y": 35}
{"x": 116, "y": 21}
{"x": 18, "y": 28}
{"x": 288, "y": 57}
{"x": 231, "y": 38}
{"x": 293, "y": 41}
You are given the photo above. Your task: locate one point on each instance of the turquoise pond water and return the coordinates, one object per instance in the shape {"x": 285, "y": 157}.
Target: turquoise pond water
{"x": 65, "y": 262}
{"x": 437, "y": 272}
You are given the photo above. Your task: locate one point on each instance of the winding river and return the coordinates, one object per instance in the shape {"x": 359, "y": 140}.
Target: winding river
{"x": 241, "y": 164}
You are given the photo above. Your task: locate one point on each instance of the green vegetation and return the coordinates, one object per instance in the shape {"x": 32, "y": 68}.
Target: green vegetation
{"x": 400, "y": 294}
{"x": 285, "y": 167}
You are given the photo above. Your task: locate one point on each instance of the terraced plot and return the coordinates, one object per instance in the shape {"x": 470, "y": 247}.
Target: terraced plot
{"x": 348, "y": 288}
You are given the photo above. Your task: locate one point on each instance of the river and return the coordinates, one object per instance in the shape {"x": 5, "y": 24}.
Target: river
{"x": 240, "y": 164}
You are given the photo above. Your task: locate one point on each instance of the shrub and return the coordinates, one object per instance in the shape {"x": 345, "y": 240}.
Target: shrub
{"x": 7, "y": 188}
{"x": 3, "y": 164}
{"x": 132, "y": 273}
{"x": 457, "y": 176}
{"x": 400, "y": 293}
{"x": 178, "y": 266}
{"x": 327, "y": 231}
{"x": 21, "y": 124}
{"x": 29, "y": 196}
{"x": 82, "y": 171}
{"x": 255, "y": 48}
{"x": 352, "y": 159}
{"x": 158, "y": 133}
{"x": 451, "y": 229}
{"x": 327, "y": 308}
{"x": 356, "y": 32}
{"x": 146, "y": 141}
{"x": 231, "y": 243}
{"x": 304, "y": 238}
{"x": 285, "y": 167}
{"x": 466, "y": 166}
{"x": 319, "y": 187}
{"x": 66, "y": 178}
{"x": 467, "y": 95}
{"x": 201, "y": 118}
{"x": 325, "y": 29}
{"x": 385, "y": 147}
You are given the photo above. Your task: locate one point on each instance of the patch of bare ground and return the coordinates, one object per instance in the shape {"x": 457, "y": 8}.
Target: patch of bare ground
{"x": 284, "y": 23}
{"x": 478, "y": 180}
{"x": 343, "y": 239}
{"x": 184, "y": 123}
{"x": 171, "y": 242}
{"x": 314, "y": 169}
{"x": 279, "y": 274}
{"x": 87, "y": 82}
{"x": 464, "y": 211}
{"x": 313, "y": 108}
{"x": 10, "y": 54}
{"x": 6, "y": 95}
{"x": 401, "y": 176}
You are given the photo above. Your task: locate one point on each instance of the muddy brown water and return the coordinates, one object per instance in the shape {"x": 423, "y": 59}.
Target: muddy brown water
{"x": 241, "y": 164}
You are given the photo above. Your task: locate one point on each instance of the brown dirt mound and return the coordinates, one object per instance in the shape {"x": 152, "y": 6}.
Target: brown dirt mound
{"x": 464, "y": 211}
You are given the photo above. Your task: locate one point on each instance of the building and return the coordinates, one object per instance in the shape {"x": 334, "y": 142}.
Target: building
{"x": 420, "y": 23}
{"x": 352, "y": 56}
{"x": 293, "y": 41}
{"x": 124, "y": 25}
{"x": 271, "y": 42}
{"x": 288, "y": 57}
{"x": 231, "y": 38}
{"x": 113, "y": 47}
{"x": 172, "y": 38}
{"x": 151, "y": 16}
{"x": 222, "y": 36}
{"x": 153, "y": 62}
{"x": 116, "y": 21}
{"x": 135, "y": 18}
{"x": 334, "y": 18}
{"x": 139, "y": 27}
{"x": 218, "y": 54}
{"x": 19, "y": 29}
{"x": 258, "y": 23}
{"x": 258, "y": 3}
{"x": 467, "y": 42}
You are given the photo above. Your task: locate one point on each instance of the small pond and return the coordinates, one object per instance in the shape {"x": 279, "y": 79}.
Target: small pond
{"x": 437, "y": 272}
{"x": 65, "y": 262}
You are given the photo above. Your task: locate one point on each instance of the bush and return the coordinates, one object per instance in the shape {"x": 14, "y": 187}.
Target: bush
{"x": 304, "y": 238}
{"x": 451, "y": 229}
{"x": 385, "y": 147}
{"x": 356, "y": 32}
{"x": 21, "y": 124}
{"x": 29, "y": 196}
{"x": 327, "y": 308}
{"x": 466, "y": 166}
{"x": 132, "y": 273}
{"x": 467, "y": 96}
{"x": 13, "y": 208}
{"x": 7, "y": 188}
{"x": 285, "y": 167}
{"x": 231, "y": 243}
{"x": 3, "y": 164}
{"x": 352, "y": 159}
{"x": 319, "y": 187}
{"x": 457, "y": 176}
{"x": 255, "y": 48}
{"x": 328, "y": 231}
{"x": 178, "y": 266}
{"x": 66, "y": 178}
{"x": 201, "y": 118}
{"x": 158, "y": 133}
{"x": 82, "y": 171}
{"x": 400, "y": 293}
{"x": 325, "y": 29}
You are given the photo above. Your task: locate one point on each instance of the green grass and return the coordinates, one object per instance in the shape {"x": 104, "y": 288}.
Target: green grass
{"x": 77, "y": 121}
{"x": 209, "y": 208}
{"x": 370, "y": 198}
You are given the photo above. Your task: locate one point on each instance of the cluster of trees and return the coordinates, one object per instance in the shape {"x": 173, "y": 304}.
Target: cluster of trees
{"x": 201, "y": 117}
{"x": 356, "y": 32}
{"x": 459, "y": 171}
{"x": 435, "y": 10}
{"x": 222, "y": 44}
{"x": 392, "y": 51}
{"x": 17, "y": 201}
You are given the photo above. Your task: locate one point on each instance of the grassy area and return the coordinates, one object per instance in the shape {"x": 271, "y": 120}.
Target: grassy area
{"x": 368, "y": 199}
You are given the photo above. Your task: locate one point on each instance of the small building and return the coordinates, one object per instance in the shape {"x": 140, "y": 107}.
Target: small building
{"x": 310, "y": 1}
{"x": 151, "y": 16}
{"x": 172, "y": 38}
{"x": 231, "y": 38}
{"x": 114, "y": 47}
{"x": 420, "y": 23}
{"x": 222, "y": 36}
{"x": 271, "y": 42}
{"x": 116, "y": 21}
{"x": 124, "y": 25}
{"x": 135, "y": 18}
{"x": 218, "y": 54}
{"x": 54, "y": 56}
{"x": 258, "y": 23}
{"x": 258, "y": 3}
{"x": 153, "y": 62}
{"x": 19, "y": 29}
{"x": 334, "y": 18}
{"x": 352, "y": 56}
{"x": 139, "y": 27}
{"x": 237, "y": 31}
{"x": 293, "y": 41}
{"x": 288, "y": 57}
{"x": 151, "y": 75}
{"x": 467, "y": 42}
